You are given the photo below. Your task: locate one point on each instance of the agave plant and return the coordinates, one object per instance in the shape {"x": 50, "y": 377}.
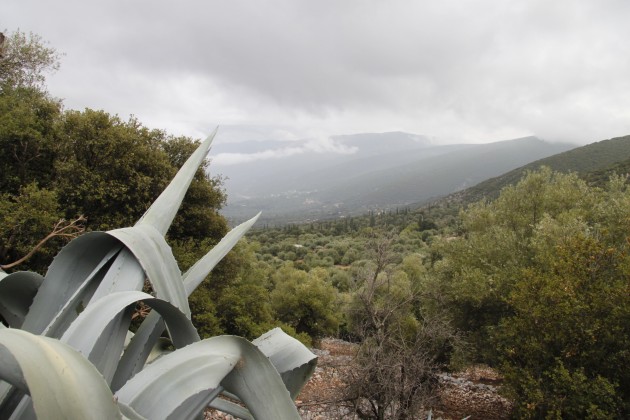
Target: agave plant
{"x": 68, "y": 353}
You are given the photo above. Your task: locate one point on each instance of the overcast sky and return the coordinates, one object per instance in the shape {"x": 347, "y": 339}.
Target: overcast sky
{"x": 455, "y": 70}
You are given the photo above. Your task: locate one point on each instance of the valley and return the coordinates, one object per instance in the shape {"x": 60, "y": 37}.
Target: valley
{"x": 361, "y": 173}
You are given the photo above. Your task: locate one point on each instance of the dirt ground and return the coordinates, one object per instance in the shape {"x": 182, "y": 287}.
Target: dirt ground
{"x": 472, "y": 394}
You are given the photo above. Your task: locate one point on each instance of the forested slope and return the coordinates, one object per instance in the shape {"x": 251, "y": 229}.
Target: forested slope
{"x": 598, "y": 157}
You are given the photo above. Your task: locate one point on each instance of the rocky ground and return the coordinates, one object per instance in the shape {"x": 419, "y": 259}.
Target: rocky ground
{"x": 320, "y": 398}
{"x": 471, "y": 394}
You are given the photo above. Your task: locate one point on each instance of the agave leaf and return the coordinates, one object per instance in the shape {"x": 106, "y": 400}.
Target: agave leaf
{"x": 158, "y": 262}
{"x": 61, "y": 382}
{"x": 195, "y": 405}
{"x": 153, "y": 254}
{"x": 5, "y": 393}
{"x": 205, "y": 366}
{"x": 86, "y": 334}
{"x": 17, "y": 291}
{"x": 161, "y": 347}
{"x": 77, "y": 301}
{"x": 138, "y": 350}
{"x": 125, "y": 274}
{"x": 292, "y": 359}
{"x": 129, "y": 413}
{"x": 141, "y": 345}
{"x": 174, "y": 378}
{"x": 156, "y": 258}
{"x": 163, "y": 210}
{"x": 78, "y": 263}
{"x": 5, "y": 387}
{"x": 195, "y": 274}
{"x": 231, "y": 408}
{"x": 256, "y": 382}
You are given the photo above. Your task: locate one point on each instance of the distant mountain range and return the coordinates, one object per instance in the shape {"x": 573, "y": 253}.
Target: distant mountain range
{"x": 349, "y": 175}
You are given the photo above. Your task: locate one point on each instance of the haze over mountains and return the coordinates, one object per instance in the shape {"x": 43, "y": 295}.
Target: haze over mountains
{"x": 347, "y": 175}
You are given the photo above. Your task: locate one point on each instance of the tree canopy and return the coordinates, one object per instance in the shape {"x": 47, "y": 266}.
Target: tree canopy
{"x": 61, "y": 164}
{"x": 539, "y": 279}
{"x": 24, "y": 60}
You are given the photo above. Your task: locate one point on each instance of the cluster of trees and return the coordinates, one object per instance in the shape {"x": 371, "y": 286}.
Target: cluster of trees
{"x": 535, "y": 283}
{"x": 376, "y": 274}
{"x": 58, "y": 164}
{"x": 539, "y": 280}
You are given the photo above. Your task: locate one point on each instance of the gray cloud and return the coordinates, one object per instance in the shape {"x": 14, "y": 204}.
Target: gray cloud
{"x": 316, "y": 145}
{"x": 461, "y": 71}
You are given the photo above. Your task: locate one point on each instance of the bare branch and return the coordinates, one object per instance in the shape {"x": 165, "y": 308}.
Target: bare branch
{"x": 62, "y": 229}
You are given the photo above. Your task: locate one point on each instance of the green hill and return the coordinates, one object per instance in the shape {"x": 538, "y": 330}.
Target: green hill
{"x": 602, "y": 175}
{"x": 594, "y": 162}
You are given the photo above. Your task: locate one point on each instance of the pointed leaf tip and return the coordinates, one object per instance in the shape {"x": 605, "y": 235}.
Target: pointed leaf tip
{"x": 195, "y": 275}
{"x": 163, "y": 210}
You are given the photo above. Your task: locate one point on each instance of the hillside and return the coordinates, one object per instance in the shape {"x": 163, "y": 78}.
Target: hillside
{"x": 600, "y": 176}
{"x": 431, "y": 176}
{"x": 594, "y": 162}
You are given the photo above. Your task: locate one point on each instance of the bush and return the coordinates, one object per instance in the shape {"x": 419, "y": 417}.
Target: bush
{"x": 539, "y": 281}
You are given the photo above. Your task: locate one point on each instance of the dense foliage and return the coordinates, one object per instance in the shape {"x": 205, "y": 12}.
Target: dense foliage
{"x": 539, "y": 278}
{"x": 367, "y": 280}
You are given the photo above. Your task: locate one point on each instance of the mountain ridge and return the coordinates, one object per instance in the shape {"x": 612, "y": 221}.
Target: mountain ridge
{"x": 409, "y": 170}
{"x": 600, "y": 157}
